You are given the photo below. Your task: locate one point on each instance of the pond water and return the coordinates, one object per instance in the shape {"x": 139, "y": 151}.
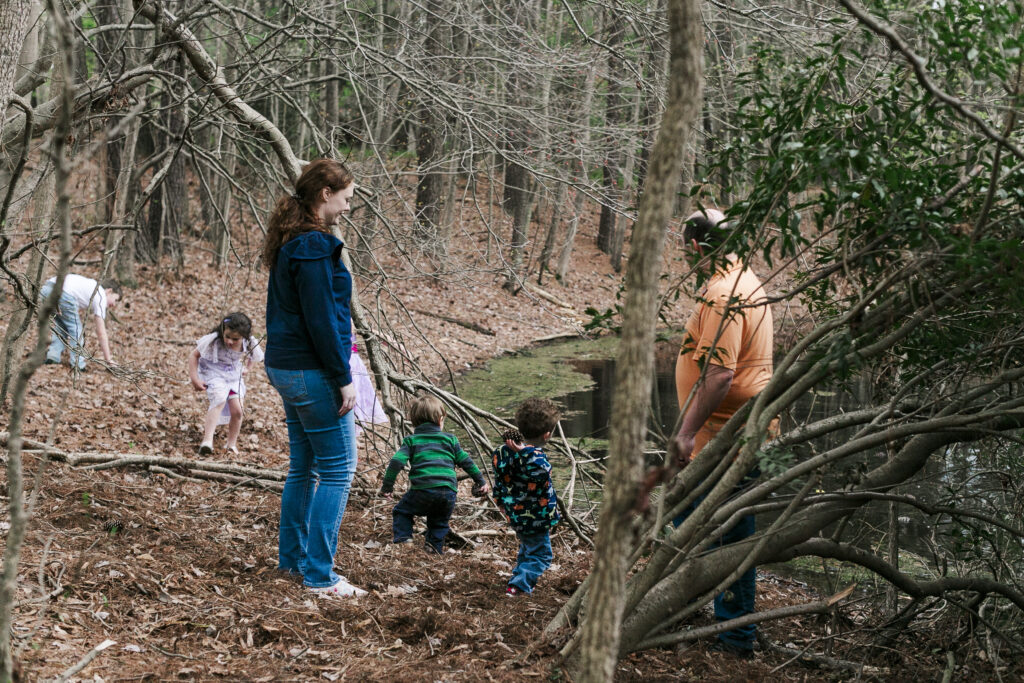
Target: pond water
{"x": 580, "y": 377}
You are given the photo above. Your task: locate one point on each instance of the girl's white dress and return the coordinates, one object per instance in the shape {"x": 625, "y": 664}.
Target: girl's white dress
{"x": 221, "y": 370}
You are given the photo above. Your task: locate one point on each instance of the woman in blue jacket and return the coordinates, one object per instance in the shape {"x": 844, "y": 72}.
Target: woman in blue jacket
{"x": 309, "y": 342}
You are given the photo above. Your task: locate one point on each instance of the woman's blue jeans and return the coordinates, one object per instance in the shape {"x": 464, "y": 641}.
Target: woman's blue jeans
{"x": 533, "y": 559}
{"x": 66, "y": 329}
{"x": 322, "y": 463}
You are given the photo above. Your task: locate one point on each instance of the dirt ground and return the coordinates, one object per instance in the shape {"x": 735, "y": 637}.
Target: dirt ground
{"x": 181, "y": 575}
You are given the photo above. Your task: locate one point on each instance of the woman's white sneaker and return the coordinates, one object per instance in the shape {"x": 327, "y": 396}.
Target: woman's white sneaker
{"x": 342, "y": 589}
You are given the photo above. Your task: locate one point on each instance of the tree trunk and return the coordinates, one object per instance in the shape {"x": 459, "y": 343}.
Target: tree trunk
{"x": 614, "y": 115}
{"x": 600, "y": 636}
{"x": 619, "y": 235}
{"x": 549, "y": 240}
{"x": 62, "y": 211}
{"x": 429, "y": 136}
{"x": 14, "y": 23}
{"x": 579, "y": 173}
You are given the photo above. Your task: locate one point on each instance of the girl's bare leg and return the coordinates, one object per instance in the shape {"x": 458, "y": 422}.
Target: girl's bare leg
{"x": 235, "y": 425}
{"x": 210, "y": 424}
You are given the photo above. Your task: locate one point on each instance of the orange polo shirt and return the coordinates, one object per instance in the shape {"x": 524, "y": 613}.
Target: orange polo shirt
{"x": 728, "y": 331}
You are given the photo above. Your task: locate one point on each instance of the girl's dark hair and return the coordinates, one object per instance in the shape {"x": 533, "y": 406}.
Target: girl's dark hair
{"x": 236, "y": 322}
{"x": 296, "y": 213}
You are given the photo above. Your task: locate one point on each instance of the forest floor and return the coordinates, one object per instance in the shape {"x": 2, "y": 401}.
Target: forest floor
{"x": 181, "y": 574}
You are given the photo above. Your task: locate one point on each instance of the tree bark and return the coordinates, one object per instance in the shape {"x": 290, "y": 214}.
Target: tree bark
{"x": 429, "y": 136}
{"x": 14, "y": 23}
{"x": 601, "y": 627}
{"x": 62, "y": 212}
{"x": 611, "y": 170}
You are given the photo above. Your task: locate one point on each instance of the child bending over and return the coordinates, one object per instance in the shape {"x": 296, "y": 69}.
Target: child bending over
{"x": 523, "y": 488}
{"x": 432, "y": 456}
{"x": 216, "y": 365}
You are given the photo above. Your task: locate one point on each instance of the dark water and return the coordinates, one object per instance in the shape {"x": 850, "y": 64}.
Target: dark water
{"x": 587, "y": 413}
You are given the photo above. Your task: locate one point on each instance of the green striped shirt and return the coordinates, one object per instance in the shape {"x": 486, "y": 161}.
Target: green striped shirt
{"x": 432, "y": 456}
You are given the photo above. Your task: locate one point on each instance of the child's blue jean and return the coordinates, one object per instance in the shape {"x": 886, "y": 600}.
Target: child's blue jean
{"x": 435, "y": 504}
{"x": 321, "y": 466}
{"x": 66, "y": 329}
{"x": 534, "y": 558}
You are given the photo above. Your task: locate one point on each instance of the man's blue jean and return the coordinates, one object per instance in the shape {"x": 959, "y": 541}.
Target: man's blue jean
{"x": 435, "y": 504}
{"x": 322, "y": 464}
{"x": 66, "y": 329}
{"x": 738, "y": 599}
{"x": 534, "y": 558}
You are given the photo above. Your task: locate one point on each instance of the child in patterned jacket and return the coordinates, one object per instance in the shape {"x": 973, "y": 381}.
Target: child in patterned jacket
{"x": 523, "y": 488}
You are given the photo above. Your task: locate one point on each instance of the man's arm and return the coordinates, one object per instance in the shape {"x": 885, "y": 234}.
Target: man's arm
{"x": 710, "y": 394}
{"x": 101, "y": 334}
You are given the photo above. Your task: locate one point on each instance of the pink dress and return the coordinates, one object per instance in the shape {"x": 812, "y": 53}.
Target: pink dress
{"x": 220, "y": 369}
{"x": 368, "y": 409}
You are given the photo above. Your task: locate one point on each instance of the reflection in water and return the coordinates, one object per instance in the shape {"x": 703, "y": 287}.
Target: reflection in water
{"x": 588, "y": 412}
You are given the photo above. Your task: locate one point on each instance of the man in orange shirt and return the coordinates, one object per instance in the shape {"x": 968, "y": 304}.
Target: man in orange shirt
{"x": 726, "y": 358}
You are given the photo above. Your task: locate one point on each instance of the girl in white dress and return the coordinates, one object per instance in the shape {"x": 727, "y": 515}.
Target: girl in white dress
{"x": 216, "y": 366}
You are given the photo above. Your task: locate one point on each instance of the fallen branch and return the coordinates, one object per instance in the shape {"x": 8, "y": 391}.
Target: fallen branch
{"x": 818, "y": 606}
{"x": 826, "y": 662}
{"x": 175, "y": 342}
{"x": 194, "y": 475}
{"x": 84, "y": 662}
{"x": 455, "y": 321}
{"x": 547, "y": 296}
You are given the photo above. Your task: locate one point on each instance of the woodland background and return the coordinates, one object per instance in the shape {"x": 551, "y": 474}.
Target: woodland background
{"x": 522, "y": 172}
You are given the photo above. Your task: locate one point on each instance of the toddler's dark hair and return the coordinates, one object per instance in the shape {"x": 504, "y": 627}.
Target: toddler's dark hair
{"x": 426, "y": 408}
{"x": 237, "y": 322}
{"x": 536, "y": 417}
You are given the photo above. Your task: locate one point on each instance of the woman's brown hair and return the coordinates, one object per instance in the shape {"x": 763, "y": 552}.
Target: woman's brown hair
{"x": 296, "y": 214}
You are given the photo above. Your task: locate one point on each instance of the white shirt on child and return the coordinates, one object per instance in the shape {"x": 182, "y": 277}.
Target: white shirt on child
{"x": 86, "y": 292}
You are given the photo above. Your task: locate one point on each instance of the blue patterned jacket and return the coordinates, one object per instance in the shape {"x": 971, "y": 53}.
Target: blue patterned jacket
{"x": 523, "y": 488}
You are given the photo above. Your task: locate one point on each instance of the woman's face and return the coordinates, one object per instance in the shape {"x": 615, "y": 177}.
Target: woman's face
{"x": 335, "y": 203}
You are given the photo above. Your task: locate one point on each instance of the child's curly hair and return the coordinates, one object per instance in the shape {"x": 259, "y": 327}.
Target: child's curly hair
{"x": 536, "y": 417}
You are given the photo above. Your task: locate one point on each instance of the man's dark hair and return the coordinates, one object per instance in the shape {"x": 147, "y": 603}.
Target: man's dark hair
{"x": 536, "y": 417}
{"x": 708, "y": 233}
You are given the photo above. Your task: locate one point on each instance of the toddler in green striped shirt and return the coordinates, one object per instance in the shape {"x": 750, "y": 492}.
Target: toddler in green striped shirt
{"x": 432, "y": 456}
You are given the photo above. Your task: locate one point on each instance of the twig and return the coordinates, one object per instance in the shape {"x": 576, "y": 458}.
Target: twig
{"x": 757, "y": 617}
{"x": 175, "y": 342}
{"x": 84, "y": 661}
{"x": 829, "y": 662}
{"x": 169, "y": 653}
